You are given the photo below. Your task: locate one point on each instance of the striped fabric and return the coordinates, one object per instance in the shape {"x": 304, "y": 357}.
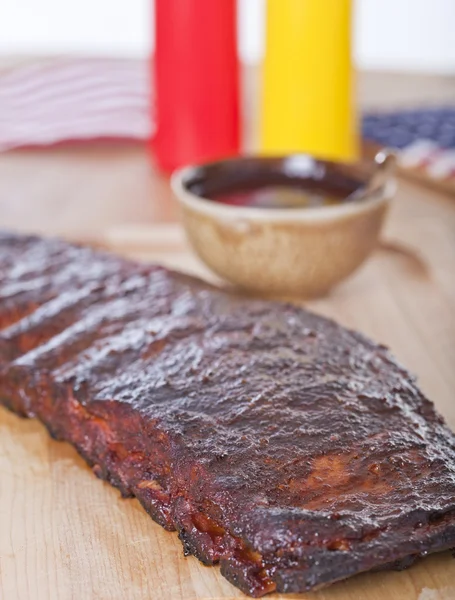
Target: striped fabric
{"x": 424, "y": 138}
{"x": 428, "y": 156}
{"x": 47, "y": 102}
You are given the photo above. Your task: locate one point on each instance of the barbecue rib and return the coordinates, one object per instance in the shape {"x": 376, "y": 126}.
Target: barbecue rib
{"x": 291, "y": 450}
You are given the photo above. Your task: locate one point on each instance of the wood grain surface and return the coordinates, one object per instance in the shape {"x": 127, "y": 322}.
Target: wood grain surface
{"x": 66, "y": 535}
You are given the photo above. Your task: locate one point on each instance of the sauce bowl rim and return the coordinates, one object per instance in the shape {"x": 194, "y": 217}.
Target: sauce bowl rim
{"x": 179, "y": 185}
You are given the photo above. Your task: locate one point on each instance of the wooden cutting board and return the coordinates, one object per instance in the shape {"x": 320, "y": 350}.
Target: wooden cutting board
{"x": 65, "y": 535}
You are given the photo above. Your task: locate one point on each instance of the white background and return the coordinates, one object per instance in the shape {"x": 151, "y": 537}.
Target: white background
{"x": 416, "y": 35}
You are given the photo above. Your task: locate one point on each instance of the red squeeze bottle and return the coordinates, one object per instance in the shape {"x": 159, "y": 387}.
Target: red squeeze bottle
{"x": 196, "y": 81}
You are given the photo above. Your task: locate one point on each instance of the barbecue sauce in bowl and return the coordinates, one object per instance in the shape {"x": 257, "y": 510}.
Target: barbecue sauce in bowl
{"x": 277, "y": 196}
{"x": 295, "y": 182}
{"x": 284, "y": 226}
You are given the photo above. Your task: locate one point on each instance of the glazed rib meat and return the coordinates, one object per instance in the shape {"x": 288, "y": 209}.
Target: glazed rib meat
{"x": 291, "y": 450}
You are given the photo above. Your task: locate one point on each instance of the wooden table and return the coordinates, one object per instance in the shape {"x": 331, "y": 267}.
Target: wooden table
{"x": 64, "y": 534}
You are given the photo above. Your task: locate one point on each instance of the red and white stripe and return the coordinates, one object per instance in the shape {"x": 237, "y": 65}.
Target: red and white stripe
{"x": 429, "y": 158}
{"x": 74, "y": 99}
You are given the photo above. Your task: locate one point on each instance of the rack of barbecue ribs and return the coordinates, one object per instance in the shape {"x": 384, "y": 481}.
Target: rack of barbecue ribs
{"x": 291, "y": 450}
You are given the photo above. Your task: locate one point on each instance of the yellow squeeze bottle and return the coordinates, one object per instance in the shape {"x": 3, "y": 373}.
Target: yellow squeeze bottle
{"x": 307, "y": 103}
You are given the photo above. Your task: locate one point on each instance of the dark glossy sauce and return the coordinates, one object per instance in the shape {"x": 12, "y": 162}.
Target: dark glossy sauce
{"x": 277, "y": 196}
{"x": 266, "y": 186}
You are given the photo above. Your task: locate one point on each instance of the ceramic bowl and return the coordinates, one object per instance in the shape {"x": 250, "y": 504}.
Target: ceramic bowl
{"x": 285, "y": 251}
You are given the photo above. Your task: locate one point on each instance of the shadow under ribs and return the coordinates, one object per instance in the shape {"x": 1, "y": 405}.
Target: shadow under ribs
{"x": 289, "y": 449}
